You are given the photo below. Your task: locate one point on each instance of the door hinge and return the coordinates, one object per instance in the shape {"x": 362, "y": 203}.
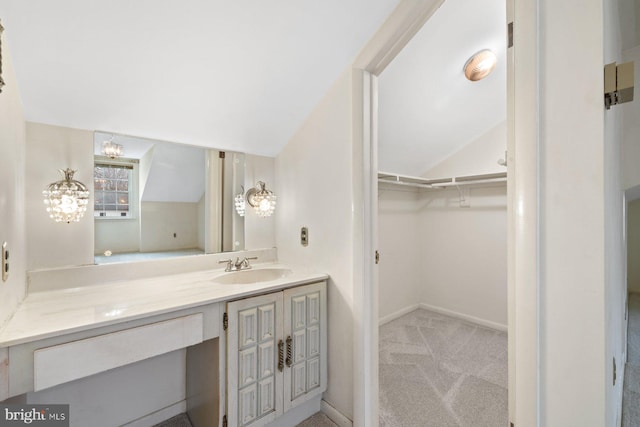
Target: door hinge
{"x": 222, "y": 155}
{"x": 618, "y": 83}
{"x": 510, "y": 35}
{"x": 224, "y": 421}
{"x": 225, "y": 321}
{"x": 377, "y": 257}
{"x": 614, "y": 372}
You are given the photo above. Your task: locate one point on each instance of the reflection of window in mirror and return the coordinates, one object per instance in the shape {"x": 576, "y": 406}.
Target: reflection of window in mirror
{"x": 113, "y": 190}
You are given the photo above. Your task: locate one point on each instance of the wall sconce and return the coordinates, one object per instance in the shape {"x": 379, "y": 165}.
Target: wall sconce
{"x": 111, "y": 149}
{"x": 66, "y": 200}
{"x": 262, "y": 200}
{"x": 239, "y": 202}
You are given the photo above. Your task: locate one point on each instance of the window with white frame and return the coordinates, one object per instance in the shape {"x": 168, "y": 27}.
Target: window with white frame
{"x": 113, "y": 190}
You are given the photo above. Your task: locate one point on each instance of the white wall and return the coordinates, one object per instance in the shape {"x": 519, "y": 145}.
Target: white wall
{"x": 117, "y": 235}
{"x": 400, "y": 276}
{"x": 579, "y": 217}
{"x": 633, "y": 246}
{"x": 615, "y": 285}
{"x": 478, "y": 157}
{"x": 12, "y": 184}
{"x": 49, "y": 148}
{"x": 159, "y": 222}
{"x": 464, "y": 254}
{"x": 436, "y": 253}
{"x": 631, "y": 127}
{"x": 313, "y": 182}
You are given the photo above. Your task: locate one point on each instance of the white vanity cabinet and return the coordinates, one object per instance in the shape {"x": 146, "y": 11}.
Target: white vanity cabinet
{"x": 276, "y": 353}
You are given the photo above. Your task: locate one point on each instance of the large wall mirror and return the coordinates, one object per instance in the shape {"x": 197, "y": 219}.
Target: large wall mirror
{"x": 157, "y": 199}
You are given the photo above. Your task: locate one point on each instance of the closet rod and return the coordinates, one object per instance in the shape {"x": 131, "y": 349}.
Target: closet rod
{"x": 414, "y": 181}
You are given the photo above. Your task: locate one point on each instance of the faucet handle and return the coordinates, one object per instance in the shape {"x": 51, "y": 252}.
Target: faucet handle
{"x": 228, "y": 262}
{"x": 246, "y": 260}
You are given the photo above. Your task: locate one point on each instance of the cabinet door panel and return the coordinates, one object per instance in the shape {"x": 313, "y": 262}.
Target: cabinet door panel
{"x": 313, "y": 337}
{"x": 299, "y": 310}
{"x": 313, "y": 302}
{"x": 267, "y": 396}
{"x": 248, "y": 401}
{"x": 247, "y": 364}
{"x": 299, "y": 346}
{"x": 313, "y": 373}
{"x": 266, "y": 355}
{"x": 305, "y": 320}
{"x": 248, "y": 320}
{"x": 267, "y": 325}
{"x": 299, "y": 379}
{"x": 254, "y": 385}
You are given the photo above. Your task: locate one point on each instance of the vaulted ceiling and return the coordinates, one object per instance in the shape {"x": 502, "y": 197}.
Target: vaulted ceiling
{"x": 240, "y": 75}
{"x": 428, "y": 109}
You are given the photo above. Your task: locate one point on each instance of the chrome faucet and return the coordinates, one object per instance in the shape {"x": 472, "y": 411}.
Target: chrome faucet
{"x": 238, "y": 264}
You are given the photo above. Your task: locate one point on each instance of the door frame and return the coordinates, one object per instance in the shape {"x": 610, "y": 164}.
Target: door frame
{"x": 522, "y": 205}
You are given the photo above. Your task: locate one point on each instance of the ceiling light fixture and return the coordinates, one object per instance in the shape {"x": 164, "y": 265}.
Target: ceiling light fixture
{"x": 480, "y": 65}
{"x": 66, "y": 200}
{"x": 262, "y": 200}
{"x": 111, "y": 149}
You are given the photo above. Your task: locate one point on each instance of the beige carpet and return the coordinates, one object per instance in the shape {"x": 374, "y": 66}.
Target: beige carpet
{"x": 631, "y": 389}
{"x": 439, "y": 371}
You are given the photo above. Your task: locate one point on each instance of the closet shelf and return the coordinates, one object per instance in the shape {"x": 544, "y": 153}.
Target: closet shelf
{"x": 441, "y": 183}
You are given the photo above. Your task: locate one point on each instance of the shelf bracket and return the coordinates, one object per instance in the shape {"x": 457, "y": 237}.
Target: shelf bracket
{"x": 464, "y": 192}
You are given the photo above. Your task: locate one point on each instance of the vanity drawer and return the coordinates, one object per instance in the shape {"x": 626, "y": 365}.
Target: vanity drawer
{"x": 70, "y": 361}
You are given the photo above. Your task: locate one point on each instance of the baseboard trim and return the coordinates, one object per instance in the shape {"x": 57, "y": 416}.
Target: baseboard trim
{"x": 467, "y": 317}
{"x": 393, "y": 316}
{"x": 335, "y": 415}
{"x": 159, "y": 416}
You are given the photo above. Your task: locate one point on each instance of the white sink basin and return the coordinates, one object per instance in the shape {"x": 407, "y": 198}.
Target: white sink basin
{"x": 246, "y": 277}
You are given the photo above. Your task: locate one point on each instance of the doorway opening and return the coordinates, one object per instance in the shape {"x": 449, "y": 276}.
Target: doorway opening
{"x": 442, "y": 223}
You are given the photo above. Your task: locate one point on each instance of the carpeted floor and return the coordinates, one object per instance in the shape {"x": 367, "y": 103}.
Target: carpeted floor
{"x": 317, "y": 420}
{"x": 631, "y": 392}
{"x": 439, "y": 371}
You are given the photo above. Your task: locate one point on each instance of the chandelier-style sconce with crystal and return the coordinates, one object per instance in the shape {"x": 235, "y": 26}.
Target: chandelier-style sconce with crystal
{"x": 66, "y": 200}
{"x": 111, "y": 149}
{"x": 239, "y": 202}
{"x": 262, "y": 200}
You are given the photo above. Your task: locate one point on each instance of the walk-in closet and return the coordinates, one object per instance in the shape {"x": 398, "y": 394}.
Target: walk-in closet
{"x": 442, "y": 223}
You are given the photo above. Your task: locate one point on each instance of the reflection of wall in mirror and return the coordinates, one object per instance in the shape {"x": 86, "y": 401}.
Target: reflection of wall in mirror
{"x": 167, "y": 186}
{"x": 50, "y": 148}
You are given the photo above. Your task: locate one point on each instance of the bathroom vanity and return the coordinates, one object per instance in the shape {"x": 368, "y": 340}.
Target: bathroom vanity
{"x": 255, "y": 339}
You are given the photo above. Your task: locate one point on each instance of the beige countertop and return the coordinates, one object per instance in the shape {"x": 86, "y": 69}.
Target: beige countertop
{"x": 58, "y": 312}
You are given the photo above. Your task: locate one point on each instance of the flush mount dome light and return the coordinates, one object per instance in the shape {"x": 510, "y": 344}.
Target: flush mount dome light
{"x": 480, "y": 65}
